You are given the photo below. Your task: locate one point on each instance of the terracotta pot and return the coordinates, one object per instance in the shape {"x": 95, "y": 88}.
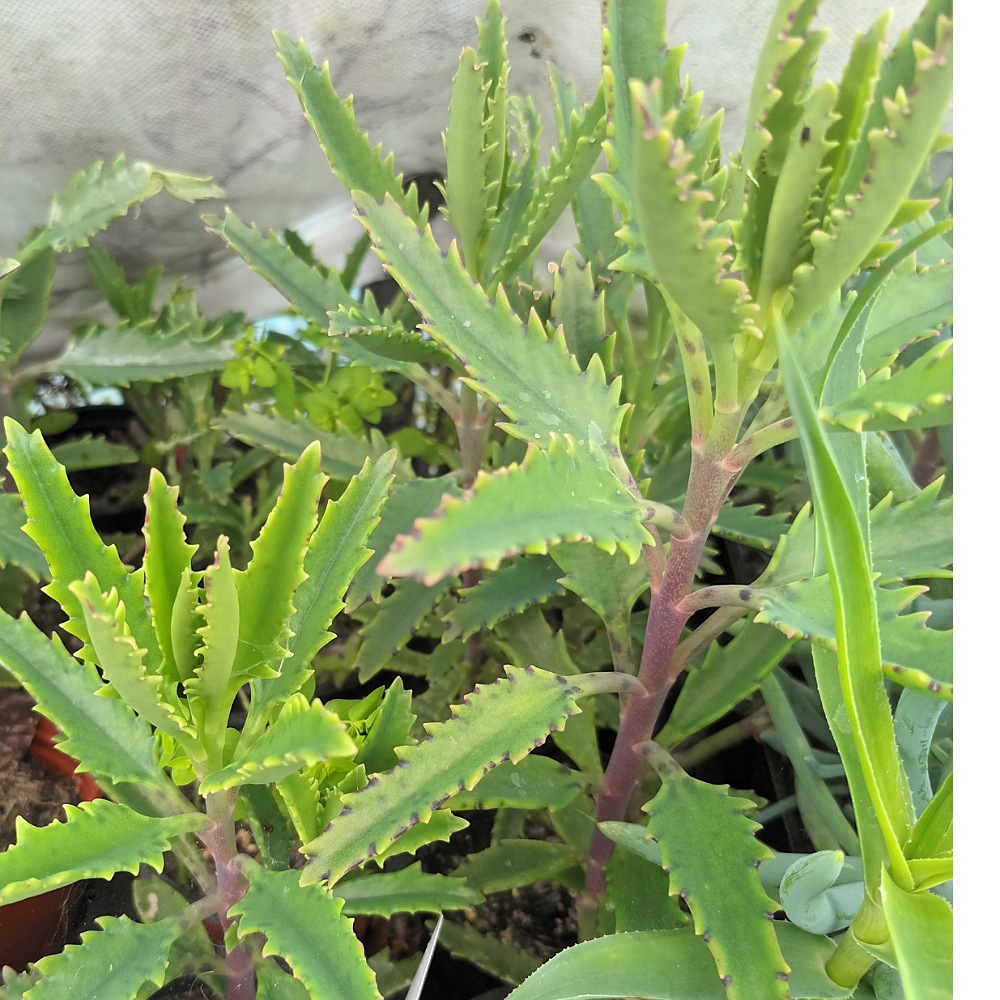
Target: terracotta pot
{"x": 38, "y": 926}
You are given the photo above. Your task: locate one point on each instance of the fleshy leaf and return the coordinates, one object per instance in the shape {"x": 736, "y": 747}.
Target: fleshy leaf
{"x": 95, "y": 197}
{"x": 507, "y": 864}
{"x": 306, "y": 926}
{"x": 104, "y": 734}
{"x": 342, "y": 454}
{"x": 718, "y": 879}
{"x": 532, "y": 377}
{"x": 526, "y": 580}
{"x": 98, "y": 839}
{"x": 351, "y": 157}
{"x": 406, "y": 503}
{"x": 920, "y": 928}
{"x": 691, "y": 265}
{"x": 59, "y": 522}
{"x": 123, "y": 355}
{"x": 400, "y": 616}
{"x": 896, "y": 155}
{"x": 918, "y": 395}
{"x": 167, "y": 556}
{"x": 407, "y": 891}
{"x": 113, "y": 963}
{"x": 479, "y": 530}
{"x": 16, "y": 548}
{"x": 267, "y": 585}
{"x": 908, "y": 647}
{"x": 533, "y": 783}
{"x": 302, "y": 735}
{"x": 452, "y": 758}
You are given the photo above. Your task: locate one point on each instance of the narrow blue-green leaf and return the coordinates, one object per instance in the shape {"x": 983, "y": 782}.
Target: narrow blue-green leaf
{"x": 920, "y": 928}
{"x": 306, "y": 926}
{"x": 857, "y": 633}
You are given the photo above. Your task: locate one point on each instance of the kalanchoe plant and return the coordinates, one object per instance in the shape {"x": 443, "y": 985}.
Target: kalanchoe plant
{"x": 599, "y": 455}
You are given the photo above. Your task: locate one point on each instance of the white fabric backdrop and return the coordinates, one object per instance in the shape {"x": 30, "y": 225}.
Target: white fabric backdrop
{"x": 195, "y": 87}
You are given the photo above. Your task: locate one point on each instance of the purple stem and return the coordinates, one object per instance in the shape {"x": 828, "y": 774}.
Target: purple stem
{"x": 708, "y": 486}
{"x": 220, "y": 839}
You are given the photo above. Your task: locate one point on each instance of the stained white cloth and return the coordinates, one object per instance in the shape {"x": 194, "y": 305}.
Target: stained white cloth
{"x": 197, "y": 88}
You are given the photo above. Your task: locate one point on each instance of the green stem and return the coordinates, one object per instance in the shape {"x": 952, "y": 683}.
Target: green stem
{"x": 851, "y": 961}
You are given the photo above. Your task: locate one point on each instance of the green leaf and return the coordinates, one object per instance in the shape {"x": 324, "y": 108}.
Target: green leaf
{"x": 639, "y": 892}
{"x": 313, "y": 293}
{"x": 103, "y": 734}
{"x": 533, "y": 783}
{"x": 396, "y": 622}
{"x": 532, "y": 377}
{"x": 306, "y": 926}
{"x": 213, "y": 686}
{"x": 920, "y": 928}
{"x": 407, "y": 891}
{"x": 123, "y": 355}
{"x": 467, "y": 194}
{"x": 691, "y": 265}
{"x": 912, "y": 305}
{"x": 907, "y": 647}
{"x": 267, "y": 586}
{"x": 441, "y": 825}
{"x": 892, "y": 159}
{"x": 487, "y": 952}
{"x": 16, "y": 548}
{"x": 507, "y": 864}
{"x": 98, "y": 839}
{"x": 336, "y": 551}
{"x": 793, "y": 208}
{"x": 453, "y": 757}
{"x": 609, "y": 583}
{"x": 94, "y": 197}
{"x": 59, "y": 522}
{"x": 302, "y": 735}
{"x": 478, "y": 530}
{"x": 526, "y": 580}
{"x": 568, "y": 169}
{"x": 353, "y": 160}
{"x": 915, "y": 721}
{"x": 727, "y": 675}
{"x": 718, "y": 880}
{"x": 24, "y": 305}
{"x": 123, "y": 664}
{"x": 579, "y": 310}
{"x": 89, "y": 452}
{"x": 407, "y": 502}
{"x": 342, "y": 454}
{"x": 113, "y": 963}
{"x": 747, "y": 526}
{"x": 917, "y": 395}
{"x": 168, "y": 555}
